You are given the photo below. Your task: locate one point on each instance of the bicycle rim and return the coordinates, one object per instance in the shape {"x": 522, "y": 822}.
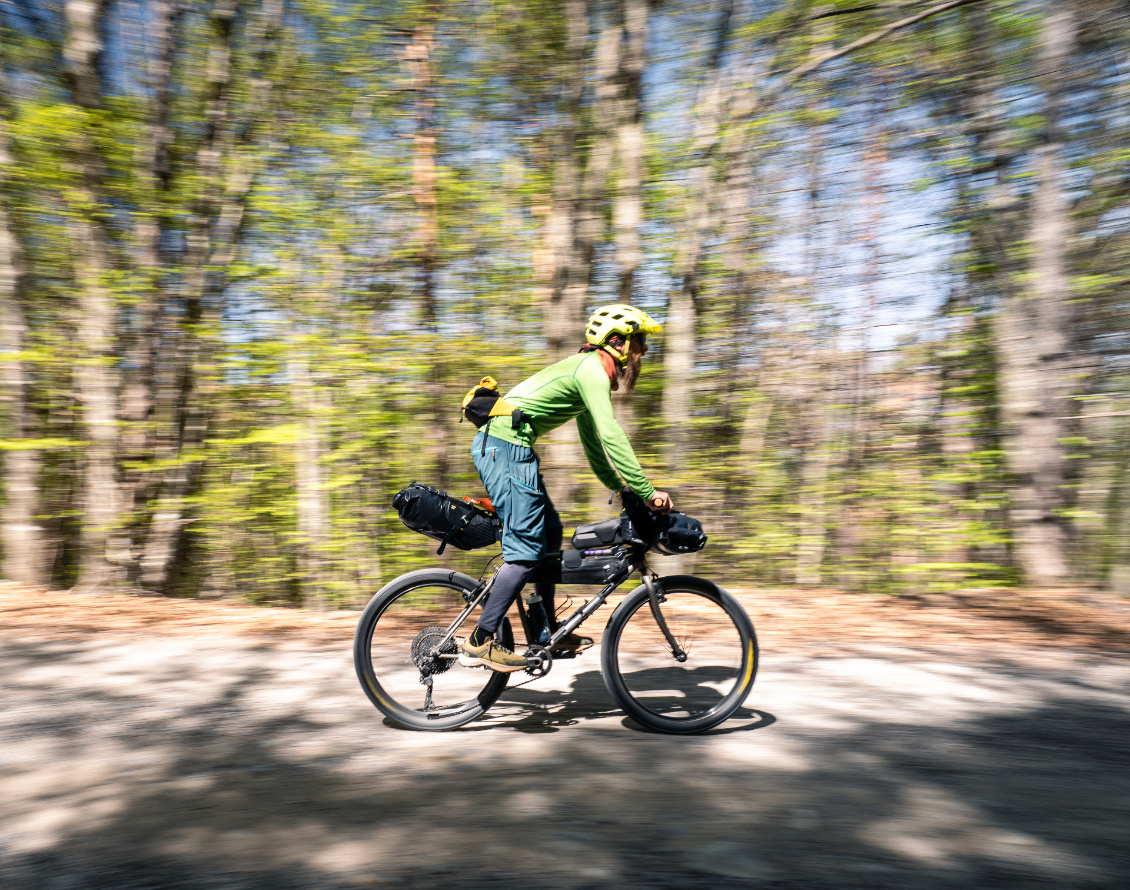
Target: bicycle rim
{"x": 402, "y": 625}
{"x": 657, "y": 689}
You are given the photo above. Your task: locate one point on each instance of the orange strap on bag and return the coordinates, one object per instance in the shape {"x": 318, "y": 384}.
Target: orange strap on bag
{"x": 481, "y": 503}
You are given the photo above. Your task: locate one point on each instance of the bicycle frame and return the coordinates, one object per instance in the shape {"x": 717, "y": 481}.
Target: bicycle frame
{"x": 587, "y": 608}
{"x": 658, "y": 604}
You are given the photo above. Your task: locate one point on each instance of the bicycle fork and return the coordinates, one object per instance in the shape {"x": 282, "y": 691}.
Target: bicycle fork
{"x": 655, "y": 596}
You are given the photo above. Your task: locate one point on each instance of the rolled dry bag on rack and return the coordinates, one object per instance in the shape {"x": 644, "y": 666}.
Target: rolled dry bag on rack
{"x": 449, "y": 520}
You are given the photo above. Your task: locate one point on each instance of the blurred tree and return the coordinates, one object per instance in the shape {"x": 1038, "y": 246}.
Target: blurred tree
{"x": 22, "y": 542}
{"x": 251, "y": 254}
{"x": 1034, "y": 334}
{"x": 104, "y": 548}
{"x": 227, "y": 160}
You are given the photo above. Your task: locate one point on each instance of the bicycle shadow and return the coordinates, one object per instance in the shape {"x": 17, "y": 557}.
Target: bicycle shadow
{"x": 587, "y": 700}
{"x": 761, "y": 719}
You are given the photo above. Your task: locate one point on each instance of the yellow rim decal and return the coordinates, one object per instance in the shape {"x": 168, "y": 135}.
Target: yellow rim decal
{"x": 372, "y": 687}
{"x": 749, "y": 666}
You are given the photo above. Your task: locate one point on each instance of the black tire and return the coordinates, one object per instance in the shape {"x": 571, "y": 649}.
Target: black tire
{"x": 651, "y": 685}
{"x": 399, "y": 615}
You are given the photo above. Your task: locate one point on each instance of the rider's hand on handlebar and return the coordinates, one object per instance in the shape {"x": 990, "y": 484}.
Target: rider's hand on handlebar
{"x": 660, "y": 502}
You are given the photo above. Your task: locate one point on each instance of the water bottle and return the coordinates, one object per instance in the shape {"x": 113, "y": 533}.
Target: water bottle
{"x": 538, "y": 618}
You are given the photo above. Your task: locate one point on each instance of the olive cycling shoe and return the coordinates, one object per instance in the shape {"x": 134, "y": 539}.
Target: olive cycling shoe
{"x": 573, "y": 643}
{"x": 493, "y": 655}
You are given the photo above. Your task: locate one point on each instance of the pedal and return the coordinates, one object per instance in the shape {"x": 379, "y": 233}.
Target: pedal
{"x": 566, "y": 653}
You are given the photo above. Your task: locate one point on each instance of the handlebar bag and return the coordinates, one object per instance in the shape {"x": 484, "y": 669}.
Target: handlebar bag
{"x": 680, "y": 534}
{"x": 434, "y": 513}
{"x": 669, "y": 533}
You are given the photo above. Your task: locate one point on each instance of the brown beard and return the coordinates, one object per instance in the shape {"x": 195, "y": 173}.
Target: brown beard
{"x": 631, "y": 372}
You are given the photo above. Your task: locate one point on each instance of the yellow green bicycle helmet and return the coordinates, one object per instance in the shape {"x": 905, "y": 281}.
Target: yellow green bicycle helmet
{"x": 619, "y": 318}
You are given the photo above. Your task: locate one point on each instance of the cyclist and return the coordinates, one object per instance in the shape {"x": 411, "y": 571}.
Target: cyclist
{"x": 577, "y": 387}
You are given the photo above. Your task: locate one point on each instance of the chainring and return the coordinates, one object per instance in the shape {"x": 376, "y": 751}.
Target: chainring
{"x": 422, "y": 647}
{"x": 546, "y": 658}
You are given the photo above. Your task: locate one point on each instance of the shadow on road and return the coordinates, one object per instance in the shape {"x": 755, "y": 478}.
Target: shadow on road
{"x": 142, "y": 768}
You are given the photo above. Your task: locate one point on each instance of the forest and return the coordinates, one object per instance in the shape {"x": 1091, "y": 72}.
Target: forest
{"x": 254, "y": 252}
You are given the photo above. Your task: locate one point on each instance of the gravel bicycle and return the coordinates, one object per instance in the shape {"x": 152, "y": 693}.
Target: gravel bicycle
{"x": 679, "y": 654}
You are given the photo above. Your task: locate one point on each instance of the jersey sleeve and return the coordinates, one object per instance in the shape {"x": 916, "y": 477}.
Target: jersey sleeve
{"x": 606, "y": 446}
{"x": 594, "y": 451}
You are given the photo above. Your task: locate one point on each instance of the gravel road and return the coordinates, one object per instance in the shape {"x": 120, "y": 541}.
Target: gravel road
{"x": 152, "y": 760}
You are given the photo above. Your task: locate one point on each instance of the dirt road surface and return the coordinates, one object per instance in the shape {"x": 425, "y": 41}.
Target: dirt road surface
{"x": 972, "y": 741}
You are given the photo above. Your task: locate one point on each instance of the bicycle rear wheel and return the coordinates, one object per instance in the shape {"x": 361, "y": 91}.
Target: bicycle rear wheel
{"x": 648, "y": 679}
{"x": 393, "y": 646}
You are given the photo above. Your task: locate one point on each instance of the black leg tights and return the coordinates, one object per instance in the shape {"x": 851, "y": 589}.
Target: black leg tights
{"x": 512, "y": 577}
{"x": 547, "y": 589}
{"x": 507, "y": 585}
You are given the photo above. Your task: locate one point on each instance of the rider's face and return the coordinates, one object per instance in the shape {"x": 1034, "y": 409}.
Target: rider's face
{"x": 637, "y": 349}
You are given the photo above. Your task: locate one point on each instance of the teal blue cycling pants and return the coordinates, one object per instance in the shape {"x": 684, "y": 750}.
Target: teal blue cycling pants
{"x": 514, "y": 482}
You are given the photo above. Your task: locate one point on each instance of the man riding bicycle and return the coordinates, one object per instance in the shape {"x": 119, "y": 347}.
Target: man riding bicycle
{"x": 580, "y": 387}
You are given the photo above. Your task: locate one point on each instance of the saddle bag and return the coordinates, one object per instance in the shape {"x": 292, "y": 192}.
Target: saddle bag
{"x": 434, "y": 513}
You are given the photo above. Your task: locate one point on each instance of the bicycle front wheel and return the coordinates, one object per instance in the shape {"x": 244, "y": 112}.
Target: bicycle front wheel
{"x": 397, "y": 651}
{"x": 698, "y": 683}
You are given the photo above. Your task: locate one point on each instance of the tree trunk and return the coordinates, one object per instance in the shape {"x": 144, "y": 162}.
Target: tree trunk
{"x": 682, "y": 314}
{"x": 313, "y": 500}
{"x": 813, "y": 388}
{"x": 561, "y": 223}
{"x": 20, "y": 534}
{"x": 1033, "y": 341}
{"x": 627, "y": 209}
{"x": 177, "y": 414}
{"x": 420, "y": 56}
{"x": 755, "y": 426}
{"x": 226, "y": 169}
{"x": 104, "y": 552}
{"x": 141, "y": 386}
{"x": 579, "y": 193}
{"x": 812, "y": 530}
{"x": 154, "y": 176}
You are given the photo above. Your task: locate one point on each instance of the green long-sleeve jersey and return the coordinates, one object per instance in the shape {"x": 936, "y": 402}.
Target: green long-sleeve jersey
{"x": 576, "y": 387}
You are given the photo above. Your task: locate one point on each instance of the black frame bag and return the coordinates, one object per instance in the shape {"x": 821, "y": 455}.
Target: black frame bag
{"x": 435, "y": 513}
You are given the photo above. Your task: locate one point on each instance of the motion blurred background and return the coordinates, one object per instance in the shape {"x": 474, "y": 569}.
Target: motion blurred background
{"x": 253, "y": 252}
